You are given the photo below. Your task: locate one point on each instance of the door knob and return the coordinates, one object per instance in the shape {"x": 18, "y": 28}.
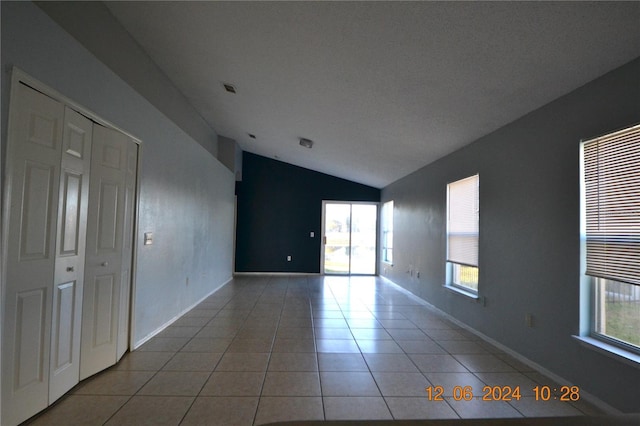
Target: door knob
{"x": 70, "y": 268}
{"x": 105, "y": 263}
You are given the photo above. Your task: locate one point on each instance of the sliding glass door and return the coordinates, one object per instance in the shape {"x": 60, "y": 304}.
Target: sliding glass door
{"x": 349, "y": 237}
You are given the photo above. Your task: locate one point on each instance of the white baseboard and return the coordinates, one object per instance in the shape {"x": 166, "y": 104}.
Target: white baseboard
{"x": 275, "y": 274}
{"x": 176, "y": 317}
{"x": 537, "y": 367}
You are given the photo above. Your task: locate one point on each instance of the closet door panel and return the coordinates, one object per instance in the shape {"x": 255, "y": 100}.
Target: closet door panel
{"x": 36, "y": 126}
{"x": 70, "y": 254}
{"x": 37, "y": 198}
{"x": 29, "y": 338}
{"x": 103, "y": 265}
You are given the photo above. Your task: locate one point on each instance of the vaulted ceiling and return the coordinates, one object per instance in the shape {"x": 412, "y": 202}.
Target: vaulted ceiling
{"x": 382, "y": 88}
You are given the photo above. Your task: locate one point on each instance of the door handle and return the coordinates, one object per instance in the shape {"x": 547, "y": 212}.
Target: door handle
{"x": 324, "y": 240}
{"x": 105, "y": 264}
{"x": 70, "y": 268}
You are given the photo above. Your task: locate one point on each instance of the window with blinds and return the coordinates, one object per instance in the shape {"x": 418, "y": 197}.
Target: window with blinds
{"x": 463, "y": 208}
{"x": 612, "y": 206}
{"x": 611, "y": 215}
{"x": 387, "y": 232}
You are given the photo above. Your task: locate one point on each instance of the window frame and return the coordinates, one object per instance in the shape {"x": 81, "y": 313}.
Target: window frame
{"x": 387, "y": 231}
{"x": 450, "y": 266}
{"x": 595, "y": 312}
{"x": 589, "y": 297}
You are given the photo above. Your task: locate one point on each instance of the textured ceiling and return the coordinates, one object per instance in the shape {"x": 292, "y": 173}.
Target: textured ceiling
{"x": 382, "y": 88}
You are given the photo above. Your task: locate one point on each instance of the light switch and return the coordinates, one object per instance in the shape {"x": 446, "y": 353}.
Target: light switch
{"x": 312, "y": 234}
{"x": 148, "y": 238}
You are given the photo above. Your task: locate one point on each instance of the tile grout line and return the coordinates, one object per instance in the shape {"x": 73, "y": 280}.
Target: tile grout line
{"x": 315, "y": 347}
{"x": 264, "y": 379}
{"x": 179, "y": 350}
{"x": 214, "y": 367}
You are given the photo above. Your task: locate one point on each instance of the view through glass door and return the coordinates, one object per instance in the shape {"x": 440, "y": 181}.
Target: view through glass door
{"x": 349, "y": 231}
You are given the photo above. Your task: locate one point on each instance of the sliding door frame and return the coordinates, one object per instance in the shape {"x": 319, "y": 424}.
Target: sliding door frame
{"x": 324, "y": 234}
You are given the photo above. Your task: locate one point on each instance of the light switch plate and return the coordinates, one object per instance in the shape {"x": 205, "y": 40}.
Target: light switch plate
{"x": 312, "y": 234}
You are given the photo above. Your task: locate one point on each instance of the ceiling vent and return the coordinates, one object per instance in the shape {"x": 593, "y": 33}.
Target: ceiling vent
{"x": 229, "y": 87}
{"x": 307, "y": 143}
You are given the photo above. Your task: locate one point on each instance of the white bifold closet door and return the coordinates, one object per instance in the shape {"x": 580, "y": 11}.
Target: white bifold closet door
{"x": 49, "y": 152}
{"x": 69, "y": 233}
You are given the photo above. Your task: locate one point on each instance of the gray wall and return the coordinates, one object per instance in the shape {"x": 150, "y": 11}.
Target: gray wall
{"x": 186, "y": 196}
{"x": 93, "y": 25}
{"x": 529, "y": 233}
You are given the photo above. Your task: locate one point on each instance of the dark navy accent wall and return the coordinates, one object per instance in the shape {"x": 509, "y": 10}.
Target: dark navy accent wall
{"x": 278, "y": 206}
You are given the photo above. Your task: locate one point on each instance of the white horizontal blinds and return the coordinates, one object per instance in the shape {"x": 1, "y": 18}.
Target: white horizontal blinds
{"x": 462, "y": 228}
{"x": 612, "y": 192}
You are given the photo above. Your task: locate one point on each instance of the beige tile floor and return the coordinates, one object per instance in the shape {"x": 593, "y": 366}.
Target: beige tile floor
{"x": 265, "y": 349}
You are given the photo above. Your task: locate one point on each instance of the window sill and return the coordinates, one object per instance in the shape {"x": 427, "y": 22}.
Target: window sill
{"x": 611, "y": 351}
{"x": 463, "y": 292}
